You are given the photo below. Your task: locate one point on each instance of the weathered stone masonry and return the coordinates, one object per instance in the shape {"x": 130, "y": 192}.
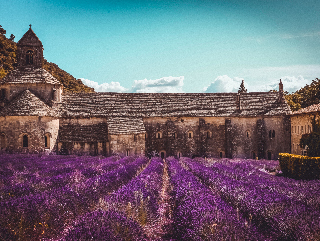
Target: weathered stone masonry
{"x": 36, "y": 116}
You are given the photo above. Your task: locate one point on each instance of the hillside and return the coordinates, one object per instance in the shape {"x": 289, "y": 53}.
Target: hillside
{"x": 306, "y": 96}
{"x": 8, "y": 62}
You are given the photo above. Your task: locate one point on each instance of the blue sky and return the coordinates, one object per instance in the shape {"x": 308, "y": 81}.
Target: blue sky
{"x": 175, "y": 46}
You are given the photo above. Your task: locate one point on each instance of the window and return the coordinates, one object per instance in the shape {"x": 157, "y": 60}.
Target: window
{"x": 159, "y": 135}
{"x": 301, "y": 129}
{"x": 179, "y": 154}
{"x": 2, "y": 141}
{"x": 208, "y": 134}
{"x": 29, "y": 57}
{"x": 220, "y": 154}
{"x": 3, "y": 94}
{"x": 163, "y": 154}
{"x": 247, "y": 134}
{"x": 127, "y": 152}
{"x": 295, "y": 129}
{"x": 25, "y": 141}
{"x": 190, "y": 134}
{"x": 45, "y": 141}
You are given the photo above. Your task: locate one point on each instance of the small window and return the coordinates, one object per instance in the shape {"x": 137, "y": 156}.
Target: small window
{"x": 159, "y": 135}
{"x": 29, "y": 57}
{"x": 301, "y": 130}
{"x": 163, "y": 154}
{"x": 2, "y": 141}
{"x": 295, "y": 129}
{"x": 247, "y": 134}
{"x": 3, "y": 94}
{"x": 45, "y": 141}
{"x": 127, "y": 152}
{"x": 208, "y": 134}
{"x": 179, "y": 154}
{"x": 190, "y": 134}
{"x": 25, "y": 141}
{"x": 220, "y": 154}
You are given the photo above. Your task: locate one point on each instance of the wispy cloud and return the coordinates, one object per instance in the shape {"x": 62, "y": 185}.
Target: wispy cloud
{"x": 163, "y": 85}
{"x": 105, "y": 87}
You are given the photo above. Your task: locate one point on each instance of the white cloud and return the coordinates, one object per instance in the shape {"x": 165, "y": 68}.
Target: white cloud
{"x": 105, "y": 87}
{"x": 223, "y": 84}
{"x": 290, "y": 84}
{"x": 163, "y": 85}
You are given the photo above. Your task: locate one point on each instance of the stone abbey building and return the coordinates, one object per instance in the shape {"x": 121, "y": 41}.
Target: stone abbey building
{"x": 37, "y": 116}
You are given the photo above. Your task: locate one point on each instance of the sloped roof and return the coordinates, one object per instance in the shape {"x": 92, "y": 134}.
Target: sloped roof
{"x": 29, "y": 75}
{"x": 169, "y": 105}
{"x": 27, "y": 104}
{"x": 309, "y": 109}
{"x": 123, "y": 125}
{"x": 30, "y": 39}
{"x": 83, "y": 133}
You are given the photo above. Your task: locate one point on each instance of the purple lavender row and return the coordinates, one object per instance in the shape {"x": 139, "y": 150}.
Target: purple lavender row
{"x": 200, "y": 214}
{"x": 305, "y": 192}
{"x": 105, "y": 225}
{"x": 274, "y": 214}
{"x": 60, "y": 179}
{"x": 139, "y": 198}
{"x": 45, "y": 215}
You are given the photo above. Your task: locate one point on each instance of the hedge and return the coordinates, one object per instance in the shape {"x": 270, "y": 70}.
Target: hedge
{"x": 299, "y": 167}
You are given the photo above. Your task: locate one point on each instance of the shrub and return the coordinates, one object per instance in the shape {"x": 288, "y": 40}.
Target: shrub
{"x": 299, "y": 167}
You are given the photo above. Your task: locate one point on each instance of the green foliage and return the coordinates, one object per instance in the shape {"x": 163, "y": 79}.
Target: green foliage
{"x": 306, "y": 96}
{"x": 299, "y": 167}
{"x": 312, "y": 140}
{"x": 8, "y": 62}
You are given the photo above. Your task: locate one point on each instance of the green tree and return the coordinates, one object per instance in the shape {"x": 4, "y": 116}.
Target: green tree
{"x": 312, "y": 140}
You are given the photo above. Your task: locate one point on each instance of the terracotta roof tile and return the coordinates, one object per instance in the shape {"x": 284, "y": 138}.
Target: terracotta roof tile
{"x": 29, "y": 75}
{"x": 27, "y": 104}
{"x": 309, "y": 109}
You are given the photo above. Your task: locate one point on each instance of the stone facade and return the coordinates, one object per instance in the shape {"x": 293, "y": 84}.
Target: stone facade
{"x": 301, "y": 123}
{"x": 36, "y": 116}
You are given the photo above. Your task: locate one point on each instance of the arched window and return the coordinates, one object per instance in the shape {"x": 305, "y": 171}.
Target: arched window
{"x": 179, "y": 154}
{"x": 29, "y": 57}
{"x": 208, "y": 134}
{"x": 247, "y": 134}
{"x": 25, "y": 141}
{"x": 159, "y": 135}
{"x": 190, "y": 134}
{"x": 2, "y": 141}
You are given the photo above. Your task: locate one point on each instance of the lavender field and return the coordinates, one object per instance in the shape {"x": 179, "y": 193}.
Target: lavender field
{"x": 136, "y": 198}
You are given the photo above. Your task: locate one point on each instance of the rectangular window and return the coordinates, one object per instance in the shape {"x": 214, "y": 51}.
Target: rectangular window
{"x": 295, "y": 129}
{"x": 301, "y": 129}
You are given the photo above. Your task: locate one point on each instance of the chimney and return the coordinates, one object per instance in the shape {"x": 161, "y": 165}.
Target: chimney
{"x": 280, "y": 98}
{"x": 238, "y": 102}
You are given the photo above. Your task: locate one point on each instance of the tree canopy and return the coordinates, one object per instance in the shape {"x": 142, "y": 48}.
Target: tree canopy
{"x": 306, "y": 96}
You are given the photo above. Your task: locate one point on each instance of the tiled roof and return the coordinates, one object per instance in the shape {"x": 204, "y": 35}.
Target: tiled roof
{"x": 30, "y": 38}
{"x": 83, "y": 133}
{"x": 170, "y": 105}
{"x": 29, "y": 75}
{"x": 27, "y": 104}
{"x": 122, "y": 125}
{"x": 309, "y": 109}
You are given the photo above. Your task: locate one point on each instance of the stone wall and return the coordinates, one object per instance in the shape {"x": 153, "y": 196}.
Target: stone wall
{"x": 300, "y": 124}
{"x": 35, "y": 128}
{"x": 127, "y": 144}
{"x": 242, "y": 137}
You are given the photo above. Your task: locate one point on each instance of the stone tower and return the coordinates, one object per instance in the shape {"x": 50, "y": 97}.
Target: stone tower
{"x": 29, "y": 50}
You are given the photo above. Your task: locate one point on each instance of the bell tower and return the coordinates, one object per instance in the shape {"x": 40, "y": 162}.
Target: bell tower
{"x": 29, "y": 50}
